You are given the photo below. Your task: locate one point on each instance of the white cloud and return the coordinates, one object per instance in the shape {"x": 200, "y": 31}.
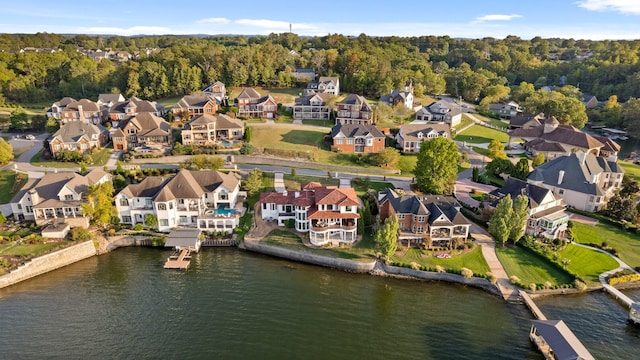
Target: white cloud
{"x": 622, "y": 6}
{"x": 497, "y": 17}
{"x": 134, "y": 30}
{"x": 273, "y": 24}
{"x": 214, "y": 21}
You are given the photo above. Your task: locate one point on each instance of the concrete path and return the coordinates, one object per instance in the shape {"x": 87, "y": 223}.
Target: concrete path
{"x": 582, "y": 219}
{"x": 278, "y": 182}
{"x": 482, "y": 238}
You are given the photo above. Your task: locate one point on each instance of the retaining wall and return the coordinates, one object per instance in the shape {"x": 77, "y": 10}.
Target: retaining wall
{"x": 346, "y": 265}
{"x": 49, "y": 262}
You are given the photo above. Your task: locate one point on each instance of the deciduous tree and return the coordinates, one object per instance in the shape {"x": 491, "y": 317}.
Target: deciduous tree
{"x": 499, "y": 224}
{"x": 386, "y": 236}
{"x": 98, "y": 205}
{"x": 496, "y": 150}
{"x": 6, "y": 152}
{"x": 253, "y": 183}
{"x": 437, "y": 166}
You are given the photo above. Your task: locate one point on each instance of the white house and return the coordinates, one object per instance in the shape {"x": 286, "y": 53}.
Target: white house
{"x": 439, "y": 111}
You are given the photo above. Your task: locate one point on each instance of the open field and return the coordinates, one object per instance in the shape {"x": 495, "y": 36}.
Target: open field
{"x": 478, "y": 134}
{"x": 530, "y": 267}
{"x": 10, "y": 184}
{"x": 627, "y": 243}
{"x": 472, "y": 260}
{"x": 587, "y": 263}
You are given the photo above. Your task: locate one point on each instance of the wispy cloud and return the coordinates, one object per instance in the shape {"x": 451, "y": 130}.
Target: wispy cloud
{"x": 623, "y": 6}
{"x": 497, "y": 17}
{"x": 134, "y": 30}
{"x": 218, "y": 20}
{"x": 273, "y": 24}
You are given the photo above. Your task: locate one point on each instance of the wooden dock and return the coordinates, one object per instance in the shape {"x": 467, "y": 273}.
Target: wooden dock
{"x": 618, "y": 294}
{"x": 528, "y": 301}
{"x": 178, "y": 260}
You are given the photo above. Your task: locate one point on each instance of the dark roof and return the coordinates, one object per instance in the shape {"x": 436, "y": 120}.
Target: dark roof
{"x": 182, "y": 237}
{"x": 355, "y": 130}
{"x": 515, "y": 187}
{"x": 222, "y": 121}
{"x": 195, "y": 101}
{"x": 541, "y": 145}
{"x": 448, "y": 206}
{"x": 406, "y": 204}
{"x": 564, "y": 344}
{"x": 306, "y": 99}
{"x": 576, "y": 173}
{"x": 87, "y": 105}
{"x": 146, "y": 122}
{"x": 354, "y": 99}
{"x": 146, "y": 188}
{"x": 139, "y": 105}
{"x": 109, "y": 98}
{"x": 521, "y": 120}
{"x": 564, "y": 134}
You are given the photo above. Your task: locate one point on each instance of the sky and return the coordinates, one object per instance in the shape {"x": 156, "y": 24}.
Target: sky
{"x": 577, "y": 19}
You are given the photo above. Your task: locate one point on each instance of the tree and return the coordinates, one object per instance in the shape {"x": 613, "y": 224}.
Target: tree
{"x": 498, "y": 225}
{"x": 629, "y": 187}
{"x": 519, "y": 217}
{"x": 38, "y": 122}
{"x": 621, "y": 209}
{"x": 386, "y": 236}
{"x": 631, "y": 116}
{"x": 201, "y": 161}
{"x": 98, "y": 205}
{"x": 499, "y": 166}
{"x": 6, "y": 152}
{"x": 247, "y": 134}
{"x": 537, "y": 160}
{"x": 612, "y": 112}
{"x": 253, "y": 183}
{"x": 437, "y": 166}
{"x": 388, "y": 157}
{"x": 496, "y": 150}
{"x": 19, "y": 119}
{"x": 521, "y": 169}
{"x": 151, "y": 220}
{"x": 52, "y": 125}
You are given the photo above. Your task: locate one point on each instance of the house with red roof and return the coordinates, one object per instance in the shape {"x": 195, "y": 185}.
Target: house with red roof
{"x": 329, "y": 214}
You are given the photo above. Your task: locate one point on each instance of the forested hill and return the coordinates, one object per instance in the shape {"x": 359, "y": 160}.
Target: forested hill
{"x": 175, "y": 65}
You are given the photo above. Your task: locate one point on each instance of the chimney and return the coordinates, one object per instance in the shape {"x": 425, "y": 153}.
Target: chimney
{"x": 35, "y": 197}
{"x": 81, "y": 113}
{"x": 594, "y": 178}
{"x": 582, "y": 156}
{"x": 613, "y": 158}
{"x": 560, "y": 176}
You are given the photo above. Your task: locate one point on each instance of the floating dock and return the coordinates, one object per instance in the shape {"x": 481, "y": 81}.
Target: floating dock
{"x": 178, "y": 260}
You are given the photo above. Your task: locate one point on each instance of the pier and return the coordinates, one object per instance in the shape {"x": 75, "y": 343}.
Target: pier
{"x": 178, "y": 260}
{"x": 184, "y": 241}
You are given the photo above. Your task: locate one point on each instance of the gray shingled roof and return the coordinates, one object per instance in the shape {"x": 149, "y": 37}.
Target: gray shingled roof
{"x": 515, "y": 187}
{"x": 249, "y": 93}
{"x": 183, "y": 237}
{"x": 564, "y": 344}
{"x": 74, "y": 130}
{"x": 355, "y": 99}
{"x": 355, "y": 130}
{"x": 410, "y": 131}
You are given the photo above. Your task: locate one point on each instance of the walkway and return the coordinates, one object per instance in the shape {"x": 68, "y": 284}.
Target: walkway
{"x": 278, "y": 182}
{"x": 509, "y": 291}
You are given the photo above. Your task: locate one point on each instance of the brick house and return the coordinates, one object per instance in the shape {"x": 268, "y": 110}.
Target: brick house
{"x": 355, "y": 138}
{"x": 79, "y": 136}
{"x": 195, "y": 104}
{"x": 132, "y": 107}
{"x": 142, "y": 129}
{"x": 354, "y": 109}
{"x": 251, "y": 104}
{"x": 83, "y": 110}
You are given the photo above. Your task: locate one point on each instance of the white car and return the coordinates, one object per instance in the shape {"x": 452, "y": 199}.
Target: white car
{"x": 30, "y": 137}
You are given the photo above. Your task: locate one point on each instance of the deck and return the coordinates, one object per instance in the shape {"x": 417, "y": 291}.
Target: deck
{"x": 178, "y": 260}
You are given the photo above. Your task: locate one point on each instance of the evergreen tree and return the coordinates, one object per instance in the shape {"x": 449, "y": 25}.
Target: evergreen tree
{"x": 499, "y": 224}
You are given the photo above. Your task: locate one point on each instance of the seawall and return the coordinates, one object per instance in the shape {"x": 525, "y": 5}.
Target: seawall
{"x": 49, "y": 262}
{"x": 300, "y": 256}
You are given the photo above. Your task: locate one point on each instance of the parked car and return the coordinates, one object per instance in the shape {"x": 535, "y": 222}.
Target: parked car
{"x": 30, "y": 137}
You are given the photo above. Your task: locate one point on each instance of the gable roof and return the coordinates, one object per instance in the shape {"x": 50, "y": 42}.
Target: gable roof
{"x": 110, "y": 98}
{"x": 73, "y": 131}
{"x": 249, "y": 93}
{"x": 405, "y": 204}
{"x": 146, "y": 188}
{"x": 139, "y": 105}
{"x": 355, "y": 99}
{"x": 146, "y": 123}
{"x": 189, "y": 184}
{"x": 95, "y": 175}
{"x": 562, "y": 341}
{"x": 195, "y": 101}
{"x": 521, "y": 120}
{"x": 563, "y": 134}
{"x": 306, "y": 99}
{"x": 515, "y": 187}
{"x": 409, "y": 132}
{"x": 356, "y": 130}
{"x": 444, "y": 210}
{"x": 328, "y": 79}
{"x": 64, "y": 101}
{"x": 87, "y": 105}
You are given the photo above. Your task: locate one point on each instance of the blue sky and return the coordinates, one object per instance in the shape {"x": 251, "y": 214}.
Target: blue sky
{"x": 578, "y": 19}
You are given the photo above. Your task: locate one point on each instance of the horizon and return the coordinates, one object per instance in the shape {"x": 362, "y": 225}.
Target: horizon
{"x": 565, "y": 19}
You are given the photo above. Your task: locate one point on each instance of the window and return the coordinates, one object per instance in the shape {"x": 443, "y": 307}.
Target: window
{"x": 348, "y": 209}
{"x": 420, "y": 229}
{"x": 171, "y": 206}
{"x": 163, "y": 222}
{"x": 19, "y": 207}
{"x": 339, "y": 141}
{"x": 561, "y": 191}
{"x": 68, "y": 197}
{"x": 124, "y": 202}
{"x": 349, "y": 141}
{"x": 400, "y": 216}
{"x": 83, "y": 146}
{"x": 126, "y": 219}
{"x": 590, "y": 198}
{"x": 28, "y": 209}
{"x": 162, "y": 206}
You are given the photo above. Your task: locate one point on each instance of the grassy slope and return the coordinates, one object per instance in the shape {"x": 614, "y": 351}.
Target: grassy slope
{"x": 472, "y": 260}
{"x": 631, "y": 169}
{"x": 587, "y": 263}
{"x": 627, "y": 244}
{"x": 478, "y": 134}
{"x": 529, "y": 267}
{"x": 8, "y": 186}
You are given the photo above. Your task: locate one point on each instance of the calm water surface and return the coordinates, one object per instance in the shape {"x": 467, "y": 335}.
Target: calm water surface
{"x": 236, "y": 305}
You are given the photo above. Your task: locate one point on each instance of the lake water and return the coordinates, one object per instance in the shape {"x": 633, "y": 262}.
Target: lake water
{"x": 236, "y": 305}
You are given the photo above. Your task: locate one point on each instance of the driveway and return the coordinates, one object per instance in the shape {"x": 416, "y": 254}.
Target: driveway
{"x": 278, "y": 182}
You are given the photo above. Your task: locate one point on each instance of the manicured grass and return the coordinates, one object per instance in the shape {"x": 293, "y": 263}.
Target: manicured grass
{"x": 267, "y": 185}
{"x": 481, "y": 151}
{"x": 35, "y": 161}
{"x": 464, "y": 122}
{"x": 627, "y": 243}
{"x": 478, "y": 134}
{"x": 101, "y": 157}
{"x": 587, "y": 263}
{"x": 170, "y": 101}
{"x": 30, "y": 250}
{"x": 630, "y": 169}
{"x": 289, "y": 240}
{"x": 325, "y": 123}
{"x": 463, "y": 167}
{"x": 406, "y": 164}
{"x": 472, "y": 260}
{"x": 495, "y": 122}
{"x": 362, "y": 188}
{"x": 294, "y": 182}
{"x": 529, "y": 267}
{"x": 10, "y": 184}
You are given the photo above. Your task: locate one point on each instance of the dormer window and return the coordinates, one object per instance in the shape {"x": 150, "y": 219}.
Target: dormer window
{"x": 420, "y": 135}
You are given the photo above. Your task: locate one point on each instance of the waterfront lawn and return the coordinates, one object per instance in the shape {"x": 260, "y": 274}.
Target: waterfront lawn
{"x": 630, "y": 169}
{"x": 530, "y": 267}
{"x": 324, "y": 123}
{"x": 472, "y": 260}
{"x": 10, "y": 184}
{"x": 627, "y": 243}
{"x": 587, "y": 263}
{"x": 289, "y": 240}
{"x": 31, "y": 250}
{"x": 478, "y": 134}
{"x": 464, "y": 122}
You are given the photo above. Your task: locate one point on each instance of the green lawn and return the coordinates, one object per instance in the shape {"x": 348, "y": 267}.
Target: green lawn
{"x": 627, "y": 243}
{"x": 529, "y": 267}
{"x": 325, "y": 123}
{"x": 464, "y": 122}
{"x": 478, "y": 134}
{"x": 406, "y": 164}
{"x": 630, "y": 169}
{"x": 101, "y": 157}
{"x": 362, "y": 188}
{"x": 286, "y": 239}
{"x": 587, "y": 263}
{"x": 481, "y": 151}
{"x": 294, "y": 182}
{"x": 170, "y": 101}
{"x": 495, "y": 122}
{"x": 33, "y": 250}
{"x": 8, "y": 185}
{"x": 472, "y": 260}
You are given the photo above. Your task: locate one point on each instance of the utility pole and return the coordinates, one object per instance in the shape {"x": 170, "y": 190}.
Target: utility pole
{"x": 289, "y": 28}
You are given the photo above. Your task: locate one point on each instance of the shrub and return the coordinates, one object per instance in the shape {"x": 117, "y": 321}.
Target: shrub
{"x": 440, "y": 269}
{"x": 514, "y": 280}
{"x": 415, "y": 265}
{"x": 466, "y": 272}
{"x": 80, "y": 234}
{"x": 290, "y": 223}
{"x": 580, "y": 285}
{"x": 138, "y": 227}
{"x": 547, "y": 285}
{"x": 247, "y": 149}
{"x": 533, "y": 287}
{"x": 492, "y": 278}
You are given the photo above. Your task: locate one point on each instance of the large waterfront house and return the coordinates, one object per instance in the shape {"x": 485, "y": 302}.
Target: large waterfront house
{"x": 132, "y": 107}
{"x": 194, "y": 104}
{"x": 548, "y": 137}
{"x": 546, "y": 215}
{"x": 312, "y": 106}
{"x": 424, "y": 220}
{"x": 217, "y": 90}
{"x": 583, "y": 180}
{"x": 56, "y": 198}
{"x": 202, "y": 199}
{"x": 78, "y": 136}
{"x": 253, "y": 105}
{"x": 209, "y": 129}
{"x": 439, "y": 111}
{"x": 142, "y": 129}
{"x": 328, "y": 214}
{"x": 356, "y": 138}
{"x": 354, "y": 109}
{"x": 411, "y": 136}
{"x": 325, "y": 84}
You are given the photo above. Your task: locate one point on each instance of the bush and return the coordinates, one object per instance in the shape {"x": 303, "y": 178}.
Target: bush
{"x": 247, "y": 149}
{"x": 533, "y": 287}
{"x": 440, "y": 269}
{"x": 514, "y": 280}
{"x": 492, "y": 278}
{"x": 415, "y": 266}
{"x": 467, "y": 273}
{"x": 80, "y": 234}
{"x": 138, "y": 227}
{"x": 580, "y": 285}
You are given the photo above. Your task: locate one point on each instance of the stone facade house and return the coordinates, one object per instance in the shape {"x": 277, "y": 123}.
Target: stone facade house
{"x": 211, "y": 129}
